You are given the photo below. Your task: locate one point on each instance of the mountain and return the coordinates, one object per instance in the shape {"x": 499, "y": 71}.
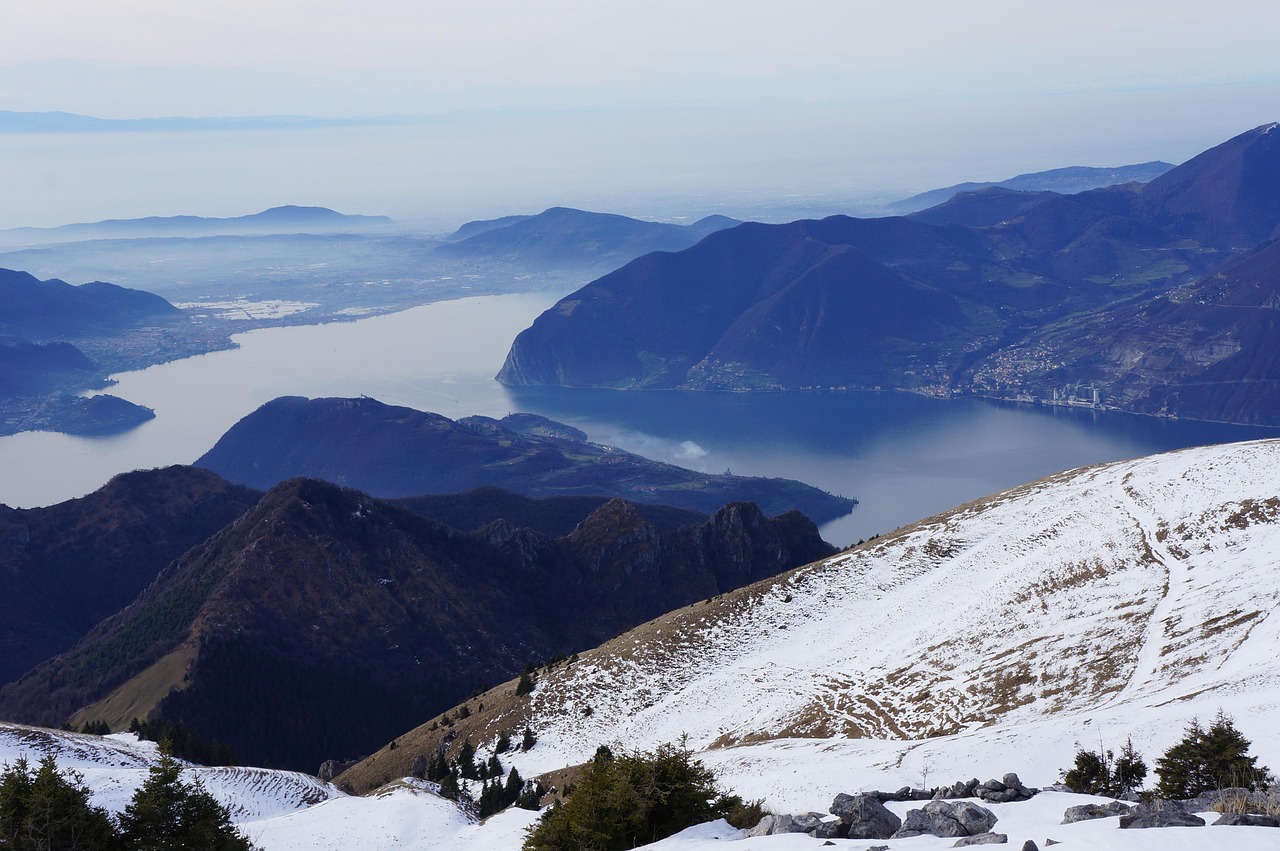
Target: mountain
{"x": 391, "y": 451}
{"x": 44, "y": 310}
{"x": 70, "y": 122}
{"x": 1206, "y": 350}
{"x": 1228, "y": 196}
{"x": 31, "y": 367}
{"x": 322, "y": 621}
{"x": 981, "y": 208}
{"x": 68, "y": 566}
{"x": 560, "y": 237}
{"x": 1114, "y": 601}
{"x": 57, "y": 339}
{"x": 553, "y": 516}
{"x": 276, "y": 220}
{"x": 959, "y": 300}
{"x": 1064, "y": 181}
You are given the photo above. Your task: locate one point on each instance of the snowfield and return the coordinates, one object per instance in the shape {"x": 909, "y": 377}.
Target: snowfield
{"x": 1114, "y": 601}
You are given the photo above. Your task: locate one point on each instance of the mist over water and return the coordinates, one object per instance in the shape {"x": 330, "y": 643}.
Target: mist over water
{"x": 772, "y": 163}
{"x": 903, "y": 456}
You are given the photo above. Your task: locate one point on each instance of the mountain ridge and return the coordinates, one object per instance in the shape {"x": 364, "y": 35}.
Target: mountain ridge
{"x": 274, "y": 220}
{"x": 961, "y": 301}
{"x": 391, "y": 451}
{"x": 415, "y": 616}
{"x": 1111, "y": 601}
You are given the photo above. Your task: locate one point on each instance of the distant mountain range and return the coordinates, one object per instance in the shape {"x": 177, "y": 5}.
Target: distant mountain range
{"x": 392, "y": 451}
{"x": 276, "y": 220}
{"x": 562, "y": 236}
{"x": 47, "y": 310}
{"x": 982, "y": 295}
{"x": 323, "y": 621}
{"x": 70, "y": 122}
{"x": 1064, "y": 181}
{"x": 44, "y": 327}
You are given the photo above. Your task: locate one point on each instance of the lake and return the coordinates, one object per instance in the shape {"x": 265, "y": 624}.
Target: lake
{"x": 903, "y": 456}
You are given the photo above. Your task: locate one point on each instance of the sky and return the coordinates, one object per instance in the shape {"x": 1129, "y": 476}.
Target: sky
{"x": 653, "y": 99}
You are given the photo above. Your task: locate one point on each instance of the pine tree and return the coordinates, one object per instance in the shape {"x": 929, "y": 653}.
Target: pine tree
{"x": 529, "y": 739}
{"x": 1208, "y": 759}
{"x": 169, "y": 814}
{"x": 467, "y": 761}
{"x": 49, "y": 809}
{"x": 634, "y": 799}
{"x": 449, "y": 786}
{"x": 1101, "y": 772}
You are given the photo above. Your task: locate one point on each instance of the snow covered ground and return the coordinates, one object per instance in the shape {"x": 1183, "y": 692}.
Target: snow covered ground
{"x": 1115, "y": 601}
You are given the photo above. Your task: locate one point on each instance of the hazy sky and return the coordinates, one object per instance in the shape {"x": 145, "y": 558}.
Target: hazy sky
{"x": 133, "y": 58}
{"x": 613, "y": 101}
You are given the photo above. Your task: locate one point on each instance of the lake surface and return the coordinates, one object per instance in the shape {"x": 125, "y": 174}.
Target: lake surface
{"x": 903, "y": 456}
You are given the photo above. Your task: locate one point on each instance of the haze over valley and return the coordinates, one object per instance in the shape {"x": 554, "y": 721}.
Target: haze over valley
{"x": 566, "y": 427}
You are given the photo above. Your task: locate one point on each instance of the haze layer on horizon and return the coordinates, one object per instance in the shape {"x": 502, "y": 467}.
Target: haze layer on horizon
{"x": 661, "y": 109}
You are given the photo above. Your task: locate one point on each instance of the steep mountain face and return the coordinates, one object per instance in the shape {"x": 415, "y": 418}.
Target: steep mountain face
{"x": 937, "y": 303}
{"x": 1227, "y": 197}
{"x": 68, "y": 566}
{"x": 392, "y": 451}
{"x": 43, "y": 310}
{"x": 323, "y": 621}
{"x": 1115, "y": 600}
{"x": 561, "y": 237}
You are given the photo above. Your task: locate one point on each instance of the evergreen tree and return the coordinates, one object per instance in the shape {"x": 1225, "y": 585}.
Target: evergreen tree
{"x": 529, "y": 739}
{"x": 635, "y": 799}
{"x": 169, "y": 814}
{"x": 467, "y": 761}
{"x": 437, "y": 768}
{"x": 1103, "y": 773}
{"x": 449, "y": 786}
{"x": 48, "y": 809}
{"x": 503, "y": 745}
{"x": 1207, "y": 759}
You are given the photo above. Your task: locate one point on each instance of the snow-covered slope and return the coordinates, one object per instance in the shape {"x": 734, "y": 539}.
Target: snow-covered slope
{"x": 114, "y": 767}
{"x": 1112, "y": 601}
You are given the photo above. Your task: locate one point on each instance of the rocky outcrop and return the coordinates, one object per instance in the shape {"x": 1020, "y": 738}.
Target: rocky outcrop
{"x": 817, "y": 825}
{"x": 1085, "y": 812}
{"x": 1232, "y": 799}
{"x": 865, "y": 817}
{"x": 1247, "y": 820}
{"x": 1002, "y": 791}
{"x": 1160, "y": 814}
{"x": 982, "y": 839}
{"x": 947, "y": 818}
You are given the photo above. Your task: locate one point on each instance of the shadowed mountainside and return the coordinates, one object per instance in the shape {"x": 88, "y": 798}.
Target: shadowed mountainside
{"x": 68, "y": 566}
{"x": 323, "y": 621}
